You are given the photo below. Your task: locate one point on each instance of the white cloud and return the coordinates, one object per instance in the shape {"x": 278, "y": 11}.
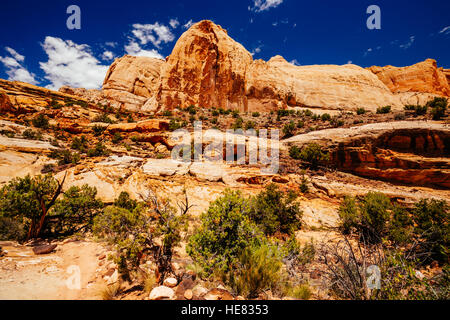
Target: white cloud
{"x": 111, "y": 44}
{"x": 15, "y": 55}
{"x": 295, "y": 62}
{"x": 188, "y": 24}
{"x": 155, "y": 33}
{"x": 263, "y": 5}
{"x": 368, "y": 51}
{"x": 409, "y": 43}
{"x": 256, "y": 50}
{"x": 14, "y": 68}
{"x": 174, "y": 23}
{"x": 108, "y": 55}
{"x": 134, "y": 49}
{"x": 446, "y": 30}
{"x": 71, "y": 64}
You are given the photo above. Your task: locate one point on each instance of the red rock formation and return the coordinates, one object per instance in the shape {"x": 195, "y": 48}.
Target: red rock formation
{"x": 424, "y": 77}
{"x": 206, "y": 68}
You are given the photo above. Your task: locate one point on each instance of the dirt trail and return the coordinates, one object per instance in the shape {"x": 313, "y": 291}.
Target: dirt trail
{"x": 26, "y": 276}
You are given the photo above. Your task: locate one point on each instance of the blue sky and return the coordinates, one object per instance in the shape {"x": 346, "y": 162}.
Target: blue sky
{"x": 37, "y": 47}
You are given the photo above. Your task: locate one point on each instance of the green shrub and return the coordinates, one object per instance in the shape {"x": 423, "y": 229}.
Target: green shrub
{"x": 300, "y": 124}
{"x": 124, "y": 201}
{"x": 438, "y": 107}
{"x": 250, "y": 125}
{"x": 289, "y": 129}
{"x": 31, "y": 135}
{"x": 75, "y": 211}
{"x": 312, "y": 154}
{"x": 99, "y": 151}
{"x": 300, "y": 292}
{"x": 349, "y": 215}
{"x": 283, "y": 113}
{"x": 104, "y": 118}
{"x": 40, "y": 121}
{"x": 325, "y": 117}
{"x": 167, "y": 113}
{"x": 384, "y": 110}
{"x": 192, "y": 110}
{"x": 11, "y": 229}
{"x": 432, "y": 225}
{"x": 98, "y": 130}
{"x": 256, "y": 114}
{"x": 117, "y": 137}
{"x": 369, "y": 217}
{"x": 238, "y": 123}
{"x": 258, "y": 269}
{"x": 135, "y": 233}
{"x": 32, "y": 202}
{"x": 275, "y": 211}
{"x": 79, "y": 144}
{"x": 65, "y": 156}
{"x": 360, "y": 111}
{"x": 226, "y": 230}
{"x": 215, "y": 113}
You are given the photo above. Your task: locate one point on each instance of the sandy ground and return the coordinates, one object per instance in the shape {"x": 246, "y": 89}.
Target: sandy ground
{"x": 26, "y": 276}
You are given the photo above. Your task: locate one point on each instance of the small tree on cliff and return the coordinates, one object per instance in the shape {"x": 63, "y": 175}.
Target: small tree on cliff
{"x": 28, "y": 200}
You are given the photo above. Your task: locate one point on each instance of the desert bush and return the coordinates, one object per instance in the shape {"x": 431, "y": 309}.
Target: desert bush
{"x": 27, "y": 200}
{"x": 258, "y": 269}
{"x": 226, "y": 230}
{"x": 432, "y": 218}
{"x": 238, "y": 123}
{"x": 369, "y": 217}
{"x": 384, "y": 110}
{"x": 153, "y": 227}
{"x": 124, "y": 201}
{"x": 325, "y": 117}
{"x": 99, "y": 151}
{"x": 40, "y": 121}
{"x": 283, "y": 113}
{"x": 167, "y": 113}
{"x": 104, "y": 118}
{"x": 438, "y": 107}
{"x": 65, "y": 156}
{"x": 289, "y": 129}
{"x": 300, "y": 124}
{"x": 275, "y": 211}
{"x": 312, "y": 155}
{"x": 98, "y": 130}
{"x": 300, "y": 292}
{"x": 250, "y": 125}
{"x": 360, "y": 111}
{"x": 11, "y": 228}
{"x": 79, "y": 144}
{"x": 256, "y": 114}
{"x": 116, "y": 138}
{"x": 31, "y": 135}
{"x": 74, "y": 212}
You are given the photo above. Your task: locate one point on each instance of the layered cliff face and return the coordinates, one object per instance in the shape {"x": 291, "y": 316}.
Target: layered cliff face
{"x": 412, "y": 82}
{"x": 277, "y": 83}
{"x": 20, "y": 97}
{"x": 207, "y": 68}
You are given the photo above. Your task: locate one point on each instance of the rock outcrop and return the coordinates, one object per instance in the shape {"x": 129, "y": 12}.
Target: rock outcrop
{"x": 206, "y": 68}
{"x": 209, "y": 69}
{"x": 20, "y": 97}
{"x": 277, "y": 84}
{"x": 423, "y": 77}
{"x": 415, "y": 153}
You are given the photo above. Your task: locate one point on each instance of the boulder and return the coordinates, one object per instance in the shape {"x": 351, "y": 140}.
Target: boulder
{"x": 162, "y": 293}
{"x": 218, "y": 294}
{"x": 188, "y": 295}
{"x": 170, "y": 282}
{"x": 44, "y": 249}
{"x": 151, "y": 125}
